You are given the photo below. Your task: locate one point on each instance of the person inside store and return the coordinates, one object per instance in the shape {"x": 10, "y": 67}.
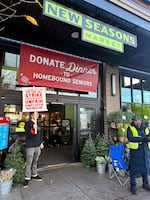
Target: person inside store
{"x": 138, "y": 135}
{"x": 33, "y": 145}
{"x": 56, "y": 133}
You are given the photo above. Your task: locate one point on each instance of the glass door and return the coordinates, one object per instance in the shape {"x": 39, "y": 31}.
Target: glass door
{"x": 84, "y": 124}
{"x": 87, "y": 124}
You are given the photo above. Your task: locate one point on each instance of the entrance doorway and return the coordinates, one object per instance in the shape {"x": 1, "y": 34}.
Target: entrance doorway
{"x": 57, "y": 126}
{"x": 65, "y": 128}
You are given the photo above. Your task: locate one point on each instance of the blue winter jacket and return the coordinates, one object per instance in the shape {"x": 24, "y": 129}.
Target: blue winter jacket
{"x": 139, "y": 158}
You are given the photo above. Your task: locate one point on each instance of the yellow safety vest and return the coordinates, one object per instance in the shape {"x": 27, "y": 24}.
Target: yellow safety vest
{"x": 135, "y": 145}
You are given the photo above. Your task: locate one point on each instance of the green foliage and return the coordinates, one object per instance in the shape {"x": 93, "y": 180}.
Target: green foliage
{"x": 116, "y": 116}
{"x": 99, "y": 148}
{"x": 89, "y": 152}
{"x": 100, "y": 160}
{"x": 15, "y": 159}
{"x": 102, "y": 147}
{"x": 122, "y": 130}
{"x": 82, "y": 142}
{"x": 141, "y": 110}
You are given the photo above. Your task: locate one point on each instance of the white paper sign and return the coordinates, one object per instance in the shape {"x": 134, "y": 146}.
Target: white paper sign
{"x": 34, "y": 99}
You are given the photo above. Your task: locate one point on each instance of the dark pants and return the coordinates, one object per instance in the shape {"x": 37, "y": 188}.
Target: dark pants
{"x": 133, "y": 178}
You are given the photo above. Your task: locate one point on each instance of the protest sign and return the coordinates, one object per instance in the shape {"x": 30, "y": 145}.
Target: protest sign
{"x": 34, "y": 99}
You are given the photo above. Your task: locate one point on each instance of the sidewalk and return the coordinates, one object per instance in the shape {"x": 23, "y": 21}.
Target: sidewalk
{"x": 75, "y": 182}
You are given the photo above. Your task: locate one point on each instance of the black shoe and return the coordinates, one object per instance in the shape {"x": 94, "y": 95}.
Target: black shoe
{"x": 133, "y": 190}
{"x": 146, "y": 187}
{"x": 37, "y": 178}
{"x": 26, "y": 183}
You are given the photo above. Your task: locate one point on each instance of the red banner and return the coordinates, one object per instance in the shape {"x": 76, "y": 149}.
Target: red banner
{"x": 40, "y": 67}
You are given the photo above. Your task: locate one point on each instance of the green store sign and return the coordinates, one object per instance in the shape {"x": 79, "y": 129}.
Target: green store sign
{"x": 93, "y": 31}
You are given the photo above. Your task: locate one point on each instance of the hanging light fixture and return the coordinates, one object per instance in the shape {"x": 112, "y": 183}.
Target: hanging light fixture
{"x": 113, "y": 85}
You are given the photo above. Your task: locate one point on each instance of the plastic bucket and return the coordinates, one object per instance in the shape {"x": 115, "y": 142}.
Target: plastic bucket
{"x": 5, "y": 187}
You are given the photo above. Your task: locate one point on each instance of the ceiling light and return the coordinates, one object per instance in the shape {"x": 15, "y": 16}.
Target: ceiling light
{"x": 75, "y": 35}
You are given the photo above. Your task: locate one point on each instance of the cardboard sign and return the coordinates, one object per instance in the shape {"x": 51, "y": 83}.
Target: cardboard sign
{"x": 34, "y": 99}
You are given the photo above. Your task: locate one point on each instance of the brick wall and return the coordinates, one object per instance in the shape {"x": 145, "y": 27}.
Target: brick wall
{"x": 112, "y": 102}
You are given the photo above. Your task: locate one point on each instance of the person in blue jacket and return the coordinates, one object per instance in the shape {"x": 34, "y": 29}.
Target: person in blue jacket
{"x": 138, "y": 135}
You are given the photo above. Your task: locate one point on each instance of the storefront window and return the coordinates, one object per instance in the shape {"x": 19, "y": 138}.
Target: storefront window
{"x": 146, "y": 91}
{"x": 11, "y": 59}
{"x": 126, "y": 95}
{"x": 126, "y": 90}
{"x": 146, "y": 96}
{"x": 137, "y": 92}
{"x": 9, "y": 70}
{"x": 134, "y": 90}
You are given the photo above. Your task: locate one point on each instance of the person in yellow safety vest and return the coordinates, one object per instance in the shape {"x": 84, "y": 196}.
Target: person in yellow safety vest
{"x": 138, "y": 135}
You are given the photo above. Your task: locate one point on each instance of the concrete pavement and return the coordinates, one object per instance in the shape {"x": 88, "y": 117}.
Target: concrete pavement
{"x": 75, "y": 182}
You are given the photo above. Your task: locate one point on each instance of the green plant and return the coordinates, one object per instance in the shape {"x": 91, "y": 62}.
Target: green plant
{"x": 122, "y": 133}
{"x": 117, "y": 117}
{"x": 100, "y": 160}
{"x": 122, "y": 130}
{"x": 102, "y": 146}
{"x": 89, "y": 152}
{"x": 142, "y": 110}
{"x": 15, "y": 159}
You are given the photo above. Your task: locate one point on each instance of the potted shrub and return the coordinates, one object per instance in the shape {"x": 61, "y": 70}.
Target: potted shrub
{"x": 88, "y": 153}
{"x": 15, "y": 159}
{"x": 102, "y": 147}
{"x": 6, "y": 180}
{"x": 101, "y": 164}
{"x": 118, "y": 119}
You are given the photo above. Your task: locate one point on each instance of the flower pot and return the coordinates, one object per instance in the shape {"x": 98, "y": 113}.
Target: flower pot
{"x": 5, "y": 187}
{"x": 87, "y": 166}
{"x": 101, "y": 168}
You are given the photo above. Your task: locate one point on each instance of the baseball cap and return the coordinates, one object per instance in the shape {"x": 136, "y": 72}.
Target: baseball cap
{"x": 136, "y": 117}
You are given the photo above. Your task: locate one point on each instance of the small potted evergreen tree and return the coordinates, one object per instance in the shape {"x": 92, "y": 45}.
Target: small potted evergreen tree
{"x": 15, "y": 159}
{"x": 102, "y": 152}
{"x": 88, "y": 153}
